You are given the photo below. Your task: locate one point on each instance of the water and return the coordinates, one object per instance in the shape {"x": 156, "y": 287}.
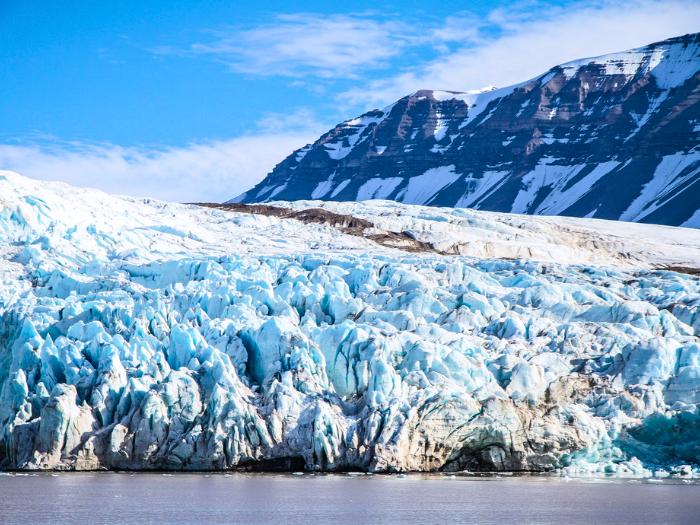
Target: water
{"x": 338, "y": 499}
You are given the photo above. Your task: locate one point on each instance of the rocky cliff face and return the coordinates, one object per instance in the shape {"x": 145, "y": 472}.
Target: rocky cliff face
{"x": 613, "y": 137}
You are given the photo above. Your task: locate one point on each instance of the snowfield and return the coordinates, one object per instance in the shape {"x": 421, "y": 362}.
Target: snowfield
{"x": 564, "y": 240}
{"x": 138, "y": 334}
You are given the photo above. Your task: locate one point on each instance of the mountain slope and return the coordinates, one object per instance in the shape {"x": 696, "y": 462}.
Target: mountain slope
{"x": 137, "y": 334}
{"x": 613, "y": 137}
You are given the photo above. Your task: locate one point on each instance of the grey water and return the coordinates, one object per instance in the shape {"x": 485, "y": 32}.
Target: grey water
{"x": 338, "y": 499}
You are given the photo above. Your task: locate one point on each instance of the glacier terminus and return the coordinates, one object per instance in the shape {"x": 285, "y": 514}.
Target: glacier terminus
{"x": 139, "y": 334}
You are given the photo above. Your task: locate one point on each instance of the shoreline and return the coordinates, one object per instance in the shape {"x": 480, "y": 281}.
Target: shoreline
{"x": 669, "y": 478}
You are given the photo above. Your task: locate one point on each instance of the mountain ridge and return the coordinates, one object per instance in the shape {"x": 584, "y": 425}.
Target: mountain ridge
{"x": 612, "y": 137}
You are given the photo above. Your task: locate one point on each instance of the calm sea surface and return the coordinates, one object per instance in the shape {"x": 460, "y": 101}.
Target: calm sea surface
{"x": 338, "y": 499}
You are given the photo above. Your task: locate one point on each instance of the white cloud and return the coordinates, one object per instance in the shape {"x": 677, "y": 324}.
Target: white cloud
{"x": 212, "y": 171}
{"x": 307, "y": 44}
{"x": 529, "y": 40}
{"x": 460, "y": 52}
{"x": 507, "y": 46}
{"x": 299, "y": 120}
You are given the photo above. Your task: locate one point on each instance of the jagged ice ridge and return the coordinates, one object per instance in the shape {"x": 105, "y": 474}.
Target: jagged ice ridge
{"x": 137, "y": 334}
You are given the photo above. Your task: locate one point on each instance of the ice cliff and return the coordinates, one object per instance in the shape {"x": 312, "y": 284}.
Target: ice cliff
{"x": 137, "y": 334}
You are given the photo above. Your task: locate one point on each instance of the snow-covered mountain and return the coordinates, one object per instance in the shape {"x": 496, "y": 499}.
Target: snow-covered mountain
{"x": 146, "y": 335}
{"x": 612, "y": 137}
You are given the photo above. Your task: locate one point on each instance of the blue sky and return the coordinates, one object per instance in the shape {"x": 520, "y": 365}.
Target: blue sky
{"x": 188, "y": 100}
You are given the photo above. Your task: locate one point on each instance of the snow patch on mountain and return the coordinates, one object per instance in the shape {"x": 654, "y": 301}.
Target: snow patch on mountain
{"x": 421, "y": 187}
{"x": 564, "y": 183}
{"x": 322, "y": 189}
{"x": 670, "y": 64}
{"x": 351, "y": 133}
{"x": 672, "y": 172}
{"x": 378, "y": 188}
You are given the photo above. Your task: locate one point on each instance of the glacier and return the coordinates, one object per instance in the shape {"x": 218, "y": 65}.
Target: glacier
{"x": 139, "y": 334}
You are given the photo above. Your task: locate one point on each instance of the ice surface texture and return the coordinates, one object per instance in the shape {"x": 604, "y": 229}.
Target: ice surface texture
{"x": 145, "y": 335}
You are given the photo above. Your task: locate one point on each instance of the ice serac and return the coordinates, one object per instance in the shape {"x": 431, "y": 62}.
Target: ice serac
{"x": 137, "y": 334}
{"x": 612, "y": 137}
